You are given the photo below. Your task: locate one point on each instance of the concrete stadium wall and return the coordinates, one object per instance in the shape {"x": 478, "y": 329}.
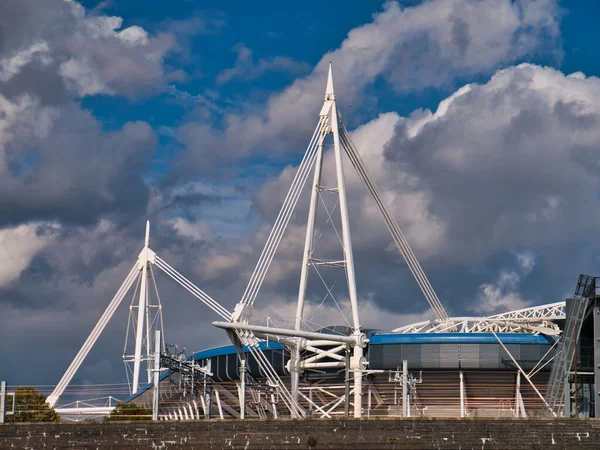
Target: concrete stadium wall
{"x": 309, "y": 434}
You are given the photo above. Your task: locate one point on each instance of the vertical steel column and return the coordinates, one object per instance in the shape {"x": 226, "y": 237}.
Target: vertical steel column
{"x": 243, "y": 389}
{"x": 347, "y": 240}
{"x": 308, "y": 243}
{"x": 567, "y": 395}
{"x": 206, "y": 394}
{"x": 347, "y": 383}
{"x": 2, "y": 401}
{"x": 404, "y": 388}
{"x": 219, "y": 405}
{"x": 308, "y": 240}
{"x": 462, "y": 393}
{"x": 274, "y": 403}
{"x": 295, "y": 368}
{"x": 348, "y": 258}
{"x": 596, "y": 358}
{"x": 518, "y": 395}
{"x": 155, "y": 398}
{"x": 148, "y": 337}
{"x": 139, "y": 335}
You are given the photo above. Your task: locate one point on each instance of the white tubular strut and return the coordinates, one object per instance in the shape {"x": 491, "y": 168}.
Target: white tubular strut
{"x": 274, "y": 380}
{"x": 192, "y": 288}
{"x": 140, "y": 327}
{"x": 393, "y": 227}
{"x": 248, "y": 339}
{"x": 284, "y": 216}
{"x": 91, "y": 340}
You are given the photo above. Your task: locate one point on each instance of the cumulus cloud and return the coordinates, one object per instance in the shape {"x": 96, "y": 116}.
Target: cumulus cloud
{"x": 429, "y": 45}
{"x": 58, "y": 163}
{"x": 503, "y": 294}
{"x": 19, "y": 246}
{"x": 505, "y": 164}
{"x": 91, "y": 53}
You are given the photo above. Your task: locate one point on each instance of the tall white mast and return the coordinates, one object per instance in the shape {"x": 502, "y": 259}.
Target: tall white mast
{"x": 141, "y": 313}
{"x": 329, "y": 115}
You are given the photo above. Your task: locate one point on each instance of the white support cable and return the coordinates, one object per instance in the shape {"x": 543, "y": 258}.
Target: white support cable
{"x": 91, "y": 340}
{"x": 524, "y": 374}
{"x": 275, "y": 238}
{"x": 130, "y": 320}
{"x": 395, "y": 231}
{"x": 193, "y": 289}
{"x": 393, "y": 227}
{"x": 248, "y": 338}
{"x": 273, "y": 377}
{"x": 533, "y": 371}
{"x": 160, "y": 314}
{"x": 332, "y": 296}
{"x": 284, "y": 216}
{"x": 330, "y": 218}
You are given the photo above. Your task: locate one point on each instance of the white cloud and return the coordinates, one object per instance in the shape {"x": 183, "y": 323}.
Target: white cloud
{"x": 505, "y": 164}
{"x": 93, "y": 53}
{"x": 19, "y": 245}
{"x": 501, "y": 295}
{"x": 10, "y": 67}
{"x": 429, "y": 45}
{"x": 199, "y": 231}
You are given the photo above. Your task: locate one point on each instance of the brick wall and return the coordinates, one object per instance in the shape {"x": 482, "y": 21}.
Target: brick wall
{"x": 315, "y": 434}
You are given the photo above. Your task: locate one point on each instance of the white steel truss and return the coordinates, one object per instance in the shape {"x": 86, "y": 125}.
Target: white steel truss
{"x": 537, "y": 320}
{"x": 137, "y": 275}
{"x": 145, "y": 319}
{"x": 329, "y": 123}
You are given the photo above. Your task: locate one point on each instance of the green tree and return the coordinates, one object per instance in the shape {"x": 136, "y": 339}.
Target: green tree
{"x": 31, "y": 406}
{"x": 128, "y": 411}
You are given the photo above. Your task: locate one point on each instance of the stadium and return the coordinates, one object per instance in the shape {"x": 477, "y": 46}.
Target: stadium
{"x": 531, "y": 362}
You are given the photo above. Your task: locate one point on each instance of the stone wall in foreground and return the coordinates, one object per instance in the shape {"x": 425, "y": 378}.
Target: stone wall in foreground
{"x": 309, "y": 434}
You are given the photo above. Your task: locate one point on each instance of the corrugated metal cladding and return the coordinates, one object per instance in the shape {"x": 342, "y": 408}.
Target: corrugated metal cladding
{"x": 456, "y": 356}
{"x": 227, "y": 367}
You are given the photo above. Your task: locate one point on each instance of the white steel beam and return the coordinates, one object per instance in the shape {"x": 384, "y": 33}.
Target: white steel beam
{"x": 142, "y": 313}
{"x": 462, "y": 393}
{"x": 308, "y": 244}
{"x": 93, "y": 337}
{"x": 156, "y": 390}
{"x": 286, "y": 332}
{"x": 85, "y": 411}
{"x": 346, "y": 238}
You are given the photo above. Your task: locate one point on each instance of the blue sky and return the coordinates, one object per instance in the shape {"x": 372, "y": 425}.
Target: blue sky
{"x": 194, "y": 115}
{"x": 296, "y": 32}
